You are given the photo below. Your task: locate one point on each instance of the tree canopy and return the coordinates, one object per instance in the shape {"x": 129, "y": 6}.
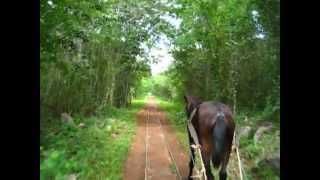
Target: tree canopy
{"x": 94, "y": 59}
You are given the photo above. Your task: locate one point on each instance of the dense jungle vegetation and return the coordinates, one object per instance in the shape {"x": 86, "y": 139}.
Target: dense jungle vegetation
{"x": 95, "y": 73}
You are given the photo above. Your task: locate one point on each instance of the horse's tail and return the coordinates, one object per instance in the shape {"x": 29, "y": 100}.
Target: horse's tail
{"x": 219, "y": 133}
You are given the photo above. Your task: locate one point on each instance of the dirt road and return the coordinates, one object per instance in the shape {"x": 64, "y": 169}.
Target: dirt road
{"x": 155, "y": 152}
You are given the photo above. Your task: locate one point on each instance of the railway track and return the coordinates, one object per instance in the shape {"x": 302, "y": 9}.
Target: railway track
{"x": 154, "y": 115}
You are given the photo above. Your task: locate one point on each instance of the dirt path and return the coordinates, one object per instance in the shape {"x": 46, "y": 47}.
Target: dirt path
{"x": 153, "y": 156}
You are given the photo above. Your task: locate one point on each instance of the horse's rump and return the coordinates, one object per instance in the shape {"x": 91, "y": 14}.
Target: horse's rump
{"x": 215, "y": 122}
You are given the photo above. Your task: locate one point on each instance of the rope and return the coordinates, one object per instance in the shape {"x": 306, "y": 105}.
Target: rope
{"x": 146, "y": 147}
{"x": 202, "y": 172}
{"x": 197, "y": 146}
{"x": 234, "y": 140}
{"x": 238, "y": 157}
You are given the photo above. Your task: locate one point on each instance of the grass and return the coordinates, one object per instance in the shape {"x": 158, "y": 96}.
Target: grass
{"x": 97, "y": 151}
{"x": 251, "y": 153}
{"x": 177, "y": 118}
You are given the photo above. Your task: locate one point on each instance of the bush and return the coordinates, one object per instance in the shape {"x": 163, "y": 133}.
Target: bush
{"x": 91, "y": 152}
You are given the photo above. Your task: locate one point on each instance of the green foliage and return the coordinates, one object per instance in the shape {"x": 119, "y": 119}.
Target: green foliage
{"x": 177, "y": 118}
{"x": 88, "y": 53}
{"x": 219, "y": 56}
{"x": 145, "y": 87}
{"x": 92, "y": 61}
{"x": 98, "y": 150}
{"x": 264, "y": 171}
{"x": 157, "y": 85}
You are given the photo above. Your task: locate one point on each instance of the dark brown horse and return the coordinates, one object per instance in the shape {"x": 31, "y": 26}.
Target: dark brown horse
{"x": 214, "y": 125}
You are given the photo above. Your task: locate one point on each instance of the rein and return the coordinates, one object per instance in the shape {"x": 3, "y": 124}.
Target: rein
{"x": 238, "y": 155}
{"x": 196, "y": 146}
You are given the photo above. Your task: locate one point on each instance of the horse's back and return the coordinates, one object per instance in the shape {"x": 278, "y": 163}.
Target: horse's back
{"x": 215, "y": 126}
{"x": 209, "y": 109}
{"x": 207, "y": 114}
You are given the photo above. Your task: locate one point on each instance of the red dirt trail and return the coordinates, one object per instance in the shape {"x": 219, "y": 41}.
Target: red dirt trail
{"x": 151, "y": 157}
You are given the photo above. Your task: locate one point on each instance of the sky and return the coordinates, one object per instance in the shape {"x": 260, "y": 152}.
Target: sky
{"x": 162, "y": 48}
{"x": 162, "y": 54}
{"x": 260, "y": 32}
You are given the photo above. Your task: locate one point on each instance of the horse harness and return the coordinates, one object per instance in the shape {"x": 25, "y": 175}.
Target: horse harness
{"x": 202, "y": 173}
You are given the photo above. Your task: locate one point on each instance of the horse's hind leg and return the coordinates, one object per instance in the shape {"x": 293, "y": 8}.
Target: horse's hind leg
{"x": 206, "y": 160}
{"x": 191, "y": 165}
{"x": 192, "y": 157}
{"x": 223, "y": 170}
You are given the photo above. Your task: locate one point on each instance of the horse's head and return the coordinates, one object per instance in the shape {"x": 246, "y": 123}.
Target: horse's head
{"x": 191, "y": 103}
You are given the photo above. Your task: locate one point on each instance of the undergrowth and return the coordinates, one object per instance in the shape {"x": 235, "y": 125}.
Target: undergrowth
{"x": 96, "y": 151}
{"x": 177, "y": 117}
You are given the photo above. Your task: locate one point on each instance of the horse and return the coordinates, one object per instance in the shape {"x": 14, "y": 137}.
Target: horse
{"x": 214, "y": 125}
